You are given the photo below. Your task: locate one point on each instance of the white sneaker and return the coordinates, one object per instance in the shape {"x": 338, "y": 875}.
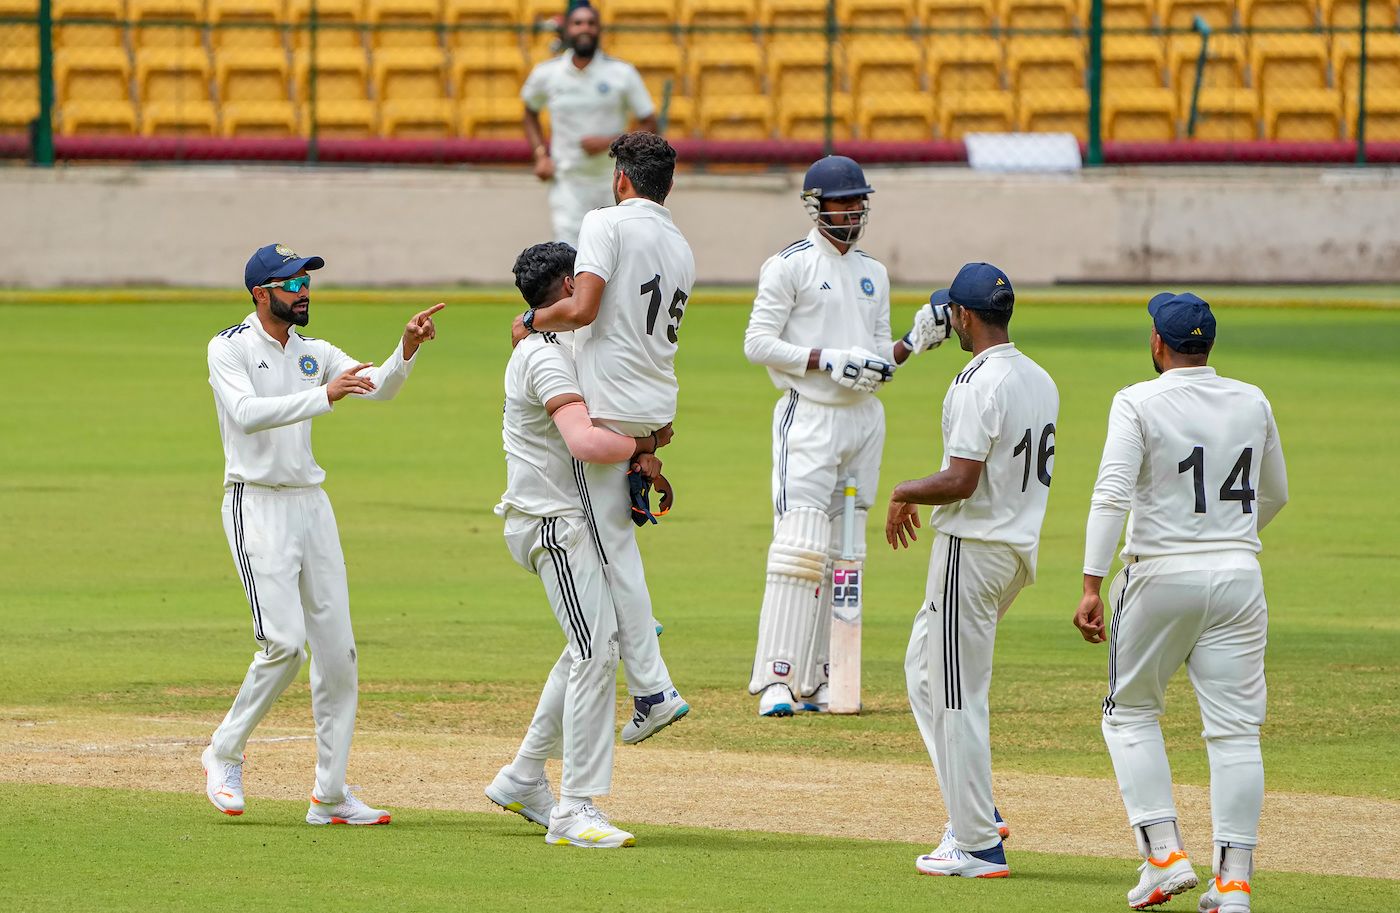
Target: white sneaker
{"x": 532, "y": 801}
{"x": 775, "y": 700}
{"x": 947, "y": 859}
{"x": 1161, "y": 880}
{"x": 1225, "y": 897}
{"x": 349, "y": 811}
{"x": 652, "y": 714}
{"x": 223, "y": 783}
{"x": 816, "y": 702}
{"x": 586, "y": 826}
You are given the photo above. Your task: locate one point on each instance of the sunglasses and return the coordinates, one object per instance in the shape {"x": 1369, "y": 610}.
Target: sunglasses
{"x": 291, "y": 285}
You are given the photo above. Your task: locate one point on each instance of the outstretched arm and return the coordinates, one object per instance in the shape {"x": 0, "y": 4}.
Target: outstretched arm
{"x": 588, "y": 442}
{"x": 387, "y": 379}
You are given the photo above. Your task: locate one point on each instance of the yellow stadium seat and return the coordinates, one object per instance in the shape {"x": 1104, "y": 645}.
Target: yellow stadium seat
{"x": 628, "y": 23}
{"x": 341, "y": 76}
{"x": 1053, "y": 111}
{"x": 1382, "y": 115}
{"x": 1045, "y": 63}
{"x": 1276, "y": 14}
{"x": 19, "y": 87}
{"x": 258, "y": 118}
{"x": 1382, "y": 62}
{"x": 92, "y": 75}
{"x": 253, "y": 92}
{"x": 487, "y": 72}
{"x": 348, "y": 119}
{"x": 1225, "y": 114}
{"x": 1128, "y": 15}
{"x": 950, "y": 16}
{"x": 718, "y": 21}
{"x": 1303, "y": 114}
{"x": 881, "y": 14}
{"x": 1181, "y": 14}
{"x": 1133, "y": 62}
{"x": 105, "y": 31}
{"x": 959, "y": 65}
{"x": 491, "y": 118}
{"x": 1059, "y": 15}
{"x": 405, "y": 23}
{"x": 96, "y": 117}
{"x": 793, "y": 22}
{"x": 1139, "y": 115}
{"x": 494, "y": 24}
{"x": 16, "y": 114}
{"x": 736, "y": 117}
{"x": 875, "y": 70}
{"x": 895, "y": 116}
{"x": 659, "y": 63}
{"x": 174, "y": 87}
{"x": 188, "y": 34}
{"x": 1289, "y": 62}
{"x": 680, "y": 116}
{"x": 16, "y": 35}
{"x": 803, "y": 117}
{"x": 246, "y": 23}
{"x": 800, "y": 69}
{"x": 725, "y": 70}
{"x": 339, "y": 23}
{"x": 1346, "y": 14}
{"x": 975, "y": 112}
{"x": 1226, "y": 63}
{"x": 411, "y": 87}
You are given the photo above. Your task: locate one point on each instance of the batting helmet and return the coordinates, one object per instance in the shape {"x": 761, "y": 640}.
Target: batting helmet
{"x": 836, "y": 177}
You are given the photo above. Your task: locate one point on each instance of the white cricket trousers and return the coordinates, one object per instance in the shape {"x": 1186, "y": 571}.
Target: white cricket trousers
{"x": 816, "y": 448}
{"x": 571, "y": 197}
{"x": 949, "y": 672}
{"x": 575, "y": 716}
{"x": 286, "y": 548}
{"x": 608, "y": 505}
{"x": 1208, "y": 612}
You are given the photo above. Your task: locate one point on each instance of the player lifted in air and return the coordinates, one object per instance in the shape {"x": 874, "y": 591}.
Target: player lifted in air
{"x": 269, "y": 382}
{"x": 989, "y": 495}
{"x": 546, "y": 431}
{"x": 633, "y": 276}
{"x": 1194, "y": 461}
{"x": 821, "y": 326}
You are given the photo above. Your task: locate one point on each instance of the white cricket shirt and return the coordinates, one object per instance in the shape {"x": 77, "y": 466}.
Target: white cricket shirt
{"x": 265, "y": 396}
{"x": 627, "y": 356}
{"x": 593, "y": 101}
{"x": 1195, "y": 462}
{"x": 811, "y": 296}
{"x": 540, "y": 478}
{"x": 1001, "y": 411}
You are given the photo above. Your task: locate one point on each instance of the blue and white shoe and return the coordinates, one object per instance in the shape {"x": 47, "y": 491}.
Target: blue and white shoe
{"x": 652, "y": 714}
{"x": 949, "y": 860}
{"x": 816, "y": 702}
{"x": 776, "y": 700}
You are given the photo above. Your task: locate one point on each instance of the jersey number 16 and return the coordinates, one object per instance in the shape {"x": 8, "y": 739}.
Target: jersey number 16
{"x": 676, "y": 311}
{"x": 1044, "y": 453}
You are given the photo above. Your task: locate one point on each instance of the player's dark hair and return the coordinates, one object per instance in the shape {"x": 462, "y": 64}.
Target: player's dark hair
{"x": 540, "y": 267}
{"x": 648, "y": 161}
{"x": 1003, "y": 302}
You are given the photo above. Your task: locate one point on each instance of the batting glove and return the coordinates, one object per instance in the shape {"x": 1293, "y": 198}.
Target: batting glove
{"x": 932, "y": 325}
{"x": 856, "y": 369}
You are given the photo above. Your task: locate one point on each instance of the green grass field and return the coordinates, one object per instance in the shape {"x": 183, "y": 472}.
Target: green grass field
{"x": 117, "y": 597}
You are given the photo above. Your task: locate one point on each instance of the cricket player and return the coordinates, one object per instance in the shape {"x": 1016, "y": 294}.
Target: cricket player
{"x": 1194, "y": 461}
{"x": 269, "y": 382}
{"x": 998, "y": 455}
{"x": 632, "y": 279}
{"x": 821, "y": 326}
{"x": 589, "y": 96}
{"x": 546, "y": 430}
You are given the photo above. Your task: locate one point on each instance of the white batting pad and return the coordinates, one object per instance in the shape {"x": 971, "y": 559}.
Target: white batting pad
{"x": 797, "y": 564}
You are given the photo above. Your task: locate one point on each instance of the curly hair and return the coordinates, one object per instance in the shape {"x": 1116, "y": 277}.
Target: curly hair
{"x": 648, "y": 161}
{"x": 540, "y": 267}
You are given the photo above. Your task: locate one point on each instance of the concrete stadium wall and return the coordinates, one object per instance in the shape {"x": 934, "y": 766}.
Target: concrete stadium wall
{"x": 196, "y": 225}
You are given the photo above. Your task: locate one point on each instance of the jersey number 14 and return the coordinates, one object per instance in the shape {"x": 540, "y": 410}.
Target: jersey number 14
{"x": 1239, "y": 476}
{"x": 652, "y": 287}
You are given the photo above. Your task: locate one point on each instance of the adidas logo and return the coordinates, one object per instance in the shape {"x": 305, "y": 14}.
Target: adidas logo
{"x": 826, "y": 286}
{"x": 1000, "y": 281}
{"x": 1197, "y": 332}
{"x": 262, "y": 364}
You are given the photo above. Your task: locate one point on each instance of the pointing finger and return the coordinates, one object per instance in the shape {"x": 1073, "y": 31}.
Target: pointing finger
{"x": 432, "y": 310}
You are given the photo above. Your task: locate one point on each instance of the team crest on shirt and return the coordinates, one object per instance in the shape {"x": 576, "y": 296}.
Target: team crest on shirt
{"x": 604, "y": 88}
{"x": 867, "y": 286}
{"x": 308, "y": 365}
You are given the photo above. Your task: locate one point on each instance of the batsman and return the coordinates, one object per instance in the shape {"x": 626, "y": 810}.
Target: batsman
{"x": 821, "y": 326}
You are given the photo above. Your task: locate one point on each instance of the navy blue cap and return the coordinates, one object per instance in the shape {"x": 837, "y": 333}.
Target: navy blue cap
{"x": 975, "y": 284}
{"x": 276, "y": 261}
{"x": 939, "y": 297}
{"x": 1180, "y": 318}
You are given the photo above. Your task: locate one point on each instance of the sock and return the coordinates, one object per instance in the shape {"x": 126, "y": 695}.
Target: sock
{"x": 1236, "y": 862}
{"x": 569, "y": 804}
{"x": 1162, "y": 837}
{"x": 527, "y": 770}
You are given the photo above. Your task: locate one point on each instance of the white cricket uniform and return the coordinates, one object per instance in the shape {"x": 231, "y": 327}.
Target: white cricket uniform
{"x": 1001, "y": 411}
{"x": 596, "y": 100}
{"x": 626, "y": 364}
{"x": 1194, "y": 461}
{"x": 548, "y": 535}
{"x": 282, "y": 532}
{"x": 811, "y": 296}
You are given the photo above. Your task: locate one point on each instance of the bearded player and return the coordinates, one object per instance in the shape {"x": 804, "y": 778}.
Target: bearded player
{"x": 821, "y": 326}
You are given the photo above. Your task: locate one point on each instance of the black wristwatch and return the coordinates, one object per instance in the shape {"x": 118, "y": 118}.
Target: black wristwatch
{"x": 528, "y": 321}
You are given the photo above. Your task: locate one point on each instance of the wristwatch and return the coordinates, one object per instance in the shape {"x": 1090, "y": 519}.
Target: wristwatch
{"x": 528, "y": 321}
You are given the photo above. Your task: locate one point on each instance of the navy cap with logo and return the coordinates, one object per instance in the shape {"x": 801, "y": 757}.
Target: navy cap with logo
{"x": 1180, "y": 318}
{"x": 276, "y": 261}
{"x": 976, "y": 284}
{"x": 939, "y": 297}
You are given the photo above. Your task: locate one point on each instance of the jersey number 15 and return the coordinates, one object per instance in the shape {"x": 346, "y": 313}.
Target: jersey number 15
{"x": 652, "y": 287}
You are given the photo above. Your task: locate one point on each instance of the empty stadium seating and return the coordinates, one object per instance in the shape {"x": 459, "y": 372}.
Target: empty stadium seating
{"x": 166, "y": 23}
{"x": 1181, "y": 14}
{"x": 1140, "y": 114}
{"x": 1133, "y": 62}
{"x": 983, "y": 111}
{"x": 19, "y": 87}
{"x": 252, "y": 84}
{"x": 173, "y": 85}
{"x": 1227, "y": 114}
{"x": 956, "y": 16}
{"x": 246, "y": 24}
{"x": 410, "y": 85}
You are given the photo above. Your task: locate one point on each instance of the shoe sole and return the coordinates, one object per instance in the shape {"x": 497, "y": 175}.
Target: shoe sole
{"x": 382, "y": 819}
{"x": 566, "y": 841}
{"x": 779, "y": 710}
{"x": 1004, "y": 874}
{"x": 1165, "y": 892}
{"x": 227, "y": 811}
{"x": 676, "y": 717}
{"x": 519, "y": 808}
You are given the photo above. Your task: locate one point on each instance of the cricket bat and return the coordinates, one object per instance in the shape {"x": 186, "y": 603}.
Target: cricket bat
{"x": 845, "y": 615}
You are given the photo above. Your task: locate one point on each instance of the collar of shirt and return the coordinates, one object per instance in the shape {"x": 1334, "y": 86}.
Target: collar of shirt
{"x": 253, "y": 321}
{"x": 568, "y": 58}
{"x": 824, "y": 245}
{"x": 1188, "y": 373}
{"x": 648, "y": 204}
{"x": 1005, "y": 348}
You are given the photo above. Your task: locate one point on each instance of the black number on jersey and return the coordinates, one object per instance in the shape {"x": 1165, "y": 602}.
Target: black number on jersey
{"x": 676, "y": 311}
{"x": 1196, "y": 462}
{"x": 1044, "y": 452}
